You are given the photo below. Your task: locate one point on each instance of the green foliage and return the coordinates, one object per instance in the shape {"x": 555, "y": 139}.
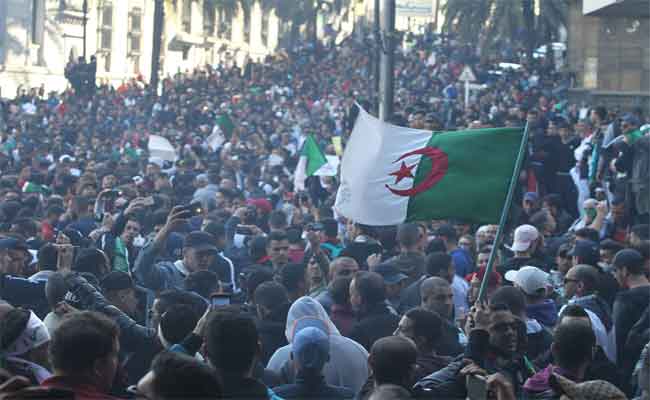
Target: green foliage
{"x": 489, "y": 22}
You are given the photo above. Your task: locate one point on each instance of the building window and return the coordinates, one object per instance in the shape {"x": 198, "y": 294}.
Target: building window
{"x": 247, "y": 27}
{"x": 186, "y": 53}
{"x": 106, "y": 33}
{"x": 209, "y": 19}
{"x": 186, "y": 16}
{"x": 265, "y": 28}
{"x": 134, "y": 41}
{"x": 224, "y": 28}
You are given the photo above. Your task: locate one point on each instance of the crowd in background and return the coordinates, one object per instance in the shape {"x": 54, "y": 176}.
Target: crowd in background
{"x": 124, "y": 274}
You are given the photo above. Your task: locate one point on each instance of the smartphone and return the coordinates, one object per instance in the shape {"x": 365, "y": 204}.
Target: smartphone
{"x": 194, "y": 209}
{"x": 149, "y": 201}
{"x": 219, "y": 300}
{"x": 476, "y": 387}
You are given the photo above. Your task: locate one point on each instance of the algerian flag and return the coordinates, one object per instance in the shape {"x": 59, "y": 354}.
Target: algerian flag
{"x": 311, "y": 160}
{"x": 31, "y": 187}
{"x": 391, "y": 174}
{"x": 225, "y": 124}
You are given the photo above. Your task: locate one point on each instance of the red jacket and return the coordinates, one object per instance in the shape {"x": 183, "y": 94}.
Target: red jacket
{"x": 81, "y": 389}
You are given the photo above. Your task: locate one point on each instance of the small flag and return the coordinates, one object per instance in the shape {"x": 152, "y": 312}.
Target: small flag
{"x": 392, "y": 174}
{"x": 225, "y": 124}
{"x": 311, "y": 160}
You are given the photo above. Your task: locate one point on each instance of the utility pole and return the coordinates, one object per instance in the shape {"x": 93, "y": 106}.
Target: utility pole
{"x": 377, "y": 54}
{"x": 84, "y": 8}
{"x": 158, "y": 19}
{"x": 387, "y": 60}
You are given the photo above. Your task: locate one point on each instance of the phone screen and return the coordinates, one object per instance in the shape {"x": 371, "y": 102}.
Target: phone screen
{"x": 219, "y": 300}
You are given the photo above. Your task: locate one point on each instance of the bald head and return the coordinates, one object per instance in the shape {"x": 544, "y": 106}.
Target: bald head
{"x": 437, "y": 296}
{"x": 343, "y": 267}
{"x": 581, "y": 280}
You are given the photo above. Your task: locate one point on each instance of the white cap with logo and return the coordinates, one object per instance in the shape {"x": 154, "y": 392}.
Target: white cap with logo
{"x": 530, "y": 279}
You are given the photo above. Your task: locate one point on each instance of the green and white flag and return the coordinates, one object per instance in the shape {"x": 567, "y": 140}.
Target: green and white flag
{"x": 226, "y": 125}
{"x": 392, "y": 174}
{"x": 311, "y": 160}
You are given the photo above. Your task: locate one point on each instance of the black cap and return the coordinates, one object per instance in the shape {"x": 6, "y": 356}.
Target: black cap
{"x": 201, "y": 241}
{"x": 587, "y": 251}
{"x": 628, "y": 258}
{"x": 446, "y": 230}
{"x": 116, "y": 280}
{"x": 390, "y": 273}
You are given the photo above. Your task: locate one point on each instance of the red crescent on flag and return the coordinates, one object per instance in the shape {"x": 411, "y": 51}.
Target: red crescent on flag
{"x": 439, "y": 166}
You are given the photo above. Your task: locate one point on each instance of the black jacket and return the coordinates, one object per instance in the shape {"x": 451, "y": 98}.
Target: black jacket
{"x": 244, "y": 388}
{"x": 312, "y": 389}
{"x": 272, "y": 336}
{"x": 448, "y": 383}
{"x": 377, "y": 322}
{"x": 628, "y": 309}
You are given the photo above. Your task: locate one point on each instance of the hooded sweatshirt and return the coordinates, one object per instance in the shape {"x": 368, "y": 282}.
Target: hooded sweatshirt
{"x": 538, "y": 385}
{"x": 348, "y": 364}
{"x": 545, "y": 312}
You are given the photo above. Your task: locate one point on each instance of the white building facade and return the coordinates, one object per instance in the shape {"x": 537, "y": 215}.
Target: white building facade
{"x": 39, "y": 37}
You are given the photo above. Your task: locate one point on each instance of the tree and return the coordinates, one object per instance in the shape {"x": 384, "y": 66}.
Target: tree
{"x": 491, "y": 22}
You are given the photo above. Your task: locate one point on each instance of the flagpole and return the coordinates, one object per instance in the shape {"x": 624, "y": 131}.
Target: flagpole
{"x": 504, "y": 214}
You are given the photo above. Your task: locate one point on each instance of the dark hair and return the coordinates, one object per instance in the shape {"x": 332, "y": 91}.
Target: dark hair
{"x": 278, "y": 219}
{"x": 177, "y": 322}
{"x": 436, "y": 245}
{"x": 601, "y": 112}
{"x": 330, "y": 227}
{"x": 340, "y": 290}
{"x": 573, "y": 344}
{"x": 271, "y": 295}
{"x": 257, "y": 246}
{"x": 13, "y": 324}
{"x": 26, "y": 226}
{"x": 172, "y": 297}
{"x": 202, "y": 282}
{"x": 408, "y": 234}
{"x": 89, "y": 260}
{"x": 292, "y": 275}
{"x": 256, "y": 278}
{"x": 276, "y": 236}
{"x": 573, "y": 310}
{"x": 510, "y": 297}
{"x": 216, "y": 229}
{"x": 80, "y": 340}
{"x": 371, "y": 287}
{"x": 554, "y": 200}
{"x": 198, "y": 380}
{"x": 611, "y": 245}
{"x": 588, "y": 233}
{"x": 589, "y": 276}
{"x": 563, "y": 250}
{"x": 426, "y": 324}
{"x": 232, "y": 343}
{"x": 47, "y": 257}
{"x": 438, "y": 263}
{"x": 391, "y": 359}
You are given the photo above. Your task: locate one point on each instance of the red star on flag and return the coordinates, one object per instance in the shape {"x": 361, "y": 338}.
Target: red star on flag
{"x": 403, "y": 172}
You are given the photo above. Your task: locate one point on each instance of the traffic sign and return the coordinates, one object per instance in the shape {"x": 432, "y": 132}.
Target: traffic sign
{"x": 467, "y": 75}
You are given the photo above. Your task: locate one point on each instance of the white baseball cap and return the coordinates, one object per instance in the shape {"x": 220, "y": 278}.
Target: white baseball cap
{"x": 525, "y": 235}
{"x": 530, "y": 279}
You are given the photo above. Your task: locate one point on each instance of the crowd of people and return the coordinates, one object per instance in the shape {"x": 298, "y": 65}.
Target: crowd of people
{"x": 125, "y": 275}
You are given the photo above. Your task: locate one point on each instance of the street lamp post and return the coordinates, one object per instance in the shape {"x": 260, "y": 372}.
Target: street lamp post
{"x": 85, "y": 23}
{"x": 387, "y": 60}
